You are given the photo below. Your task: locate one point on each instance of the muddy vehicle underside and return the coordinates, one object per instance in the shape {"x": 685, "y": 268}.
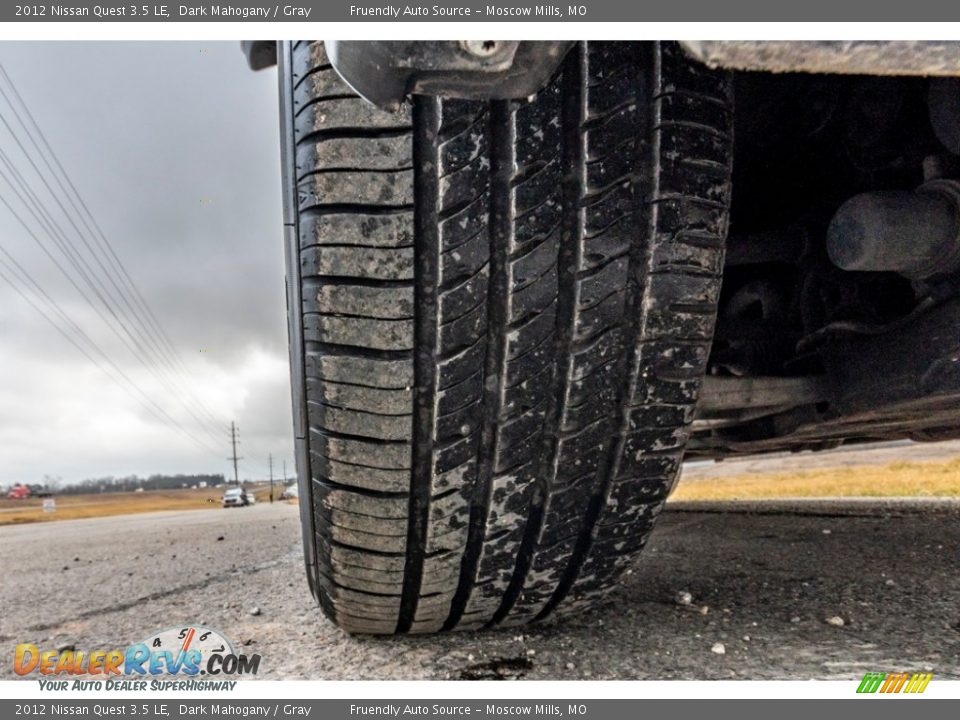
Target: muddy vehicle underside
{"x": 839, "y": 317}
{"x": 838, "y": 321}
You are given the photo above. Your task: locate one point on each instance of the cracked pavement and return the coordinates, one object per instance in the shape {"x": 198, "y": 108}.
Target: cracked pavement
{"x": 766, "y": 582}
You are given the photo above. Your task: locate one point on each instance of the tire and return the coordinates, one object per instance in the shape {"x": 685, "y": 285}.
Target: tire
{"x": 500, "y": 316}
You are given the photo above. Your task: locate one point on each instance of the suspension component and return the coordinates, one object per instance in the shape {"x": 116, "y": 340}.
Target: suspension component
{"x": 915, "y": 234}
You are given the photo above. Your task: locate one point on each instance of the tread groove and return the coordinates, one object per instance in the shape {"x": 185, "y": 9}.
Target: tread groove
{"x": 631, "y": 328}
{"x": 426, "y": 114}
{"x": 573, "y": 152}
{"x": 499, "y": 230}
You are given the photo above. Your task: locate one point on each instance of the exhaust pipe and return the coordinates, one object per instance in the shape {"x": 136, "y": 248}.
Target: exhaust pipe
{"x": 915, "y": 234}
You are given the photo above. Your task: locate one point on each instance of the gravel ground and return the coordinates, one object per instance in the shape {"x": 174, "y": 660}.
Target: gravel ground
{"x": 775, "y": 590}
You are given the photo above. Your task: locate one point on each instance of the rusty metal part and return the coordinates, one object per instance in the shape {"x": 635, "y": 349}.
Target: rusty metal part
{"x": 721, "y": 394}
{"x": 905, "y": 383}
{"x": 843, "y": 57}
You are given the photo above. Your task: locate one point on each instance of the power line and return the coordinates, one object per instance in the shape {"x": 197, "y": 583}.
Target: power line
{"x": 13, "y": 266}
{"x": 140, "y": 314}
{"x": 60, "y": 267}
{"x": 131, "y": 387}
{"x": 122, "y": 306}
{"x": 165, "y": 372}
{"x": 54, "y": 231}
{"x": 99, "y": 237}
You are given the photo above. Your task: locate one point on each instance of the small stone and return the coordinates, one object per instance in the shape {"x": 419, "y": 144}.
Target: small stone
{"x": 794, "y": 619}
{"x": 890, "y": 582}
{"x": 836, "y": 621}
{"x": 825, "y": 531}
{"x": 746, "y": 638}
{"x": 704, "y": 609}
{"x": 254, "y": 611}
{"x": 470, "y": 657}
{"x": 531, "y": 652}
{"x": 571, "y": 666}
{"x": 219, "y": 538}
{"x": 684, "y": 598}
{"x": 718, "y": 649}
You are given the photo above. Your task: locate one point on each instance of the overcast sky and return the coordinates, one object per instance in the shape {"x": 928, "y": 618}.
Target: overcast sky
{"x": 174, "y": 147}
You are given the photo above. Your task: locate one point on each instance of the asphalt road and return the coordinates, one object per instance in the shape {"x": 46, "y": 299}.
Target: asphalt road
{"x": 763, "y": 581}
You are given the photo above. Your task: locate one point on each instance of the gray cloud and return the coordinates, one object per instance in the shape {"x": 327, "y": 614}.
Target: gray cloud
{"x": 174, "y": 146}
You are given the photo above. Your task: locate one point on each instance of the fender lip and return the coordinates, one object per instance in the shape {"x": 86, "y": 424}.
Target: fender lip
{"x": 260, "y": 54}
{"x": 386, "y": 72}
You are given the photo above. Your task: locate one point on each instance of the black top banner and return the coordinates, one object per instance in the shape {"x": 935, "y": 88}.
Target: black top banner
{"x": 578, "y": 11}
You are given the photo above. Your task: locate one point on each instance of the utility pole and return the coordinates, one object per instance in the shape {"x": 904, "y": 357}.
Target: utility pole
{"x": 284, "y": 474}
{"x": 233, "y": 444}
{"x": 271, "y": 477}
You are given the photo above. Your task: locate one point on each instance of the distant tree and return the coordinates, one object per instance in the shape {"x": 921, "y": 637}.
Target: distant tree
{"x": 131, "y": 482}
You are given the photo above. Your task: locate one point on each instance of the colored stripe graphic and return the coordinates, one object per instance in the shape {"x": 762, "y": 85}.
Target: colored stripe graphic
{"x": 918, "y": 683}
{"x": 871, "y": 682}
{"x": 894, "y": 682}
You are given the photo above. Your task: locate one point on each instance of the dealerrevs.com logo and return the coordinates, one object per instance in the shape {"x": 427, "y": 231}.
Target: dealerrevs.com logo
{"x": 189, "y": 653}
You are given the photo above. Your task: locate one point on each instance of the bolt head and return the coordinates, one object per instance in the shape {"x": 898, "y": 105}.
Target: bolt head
{"x": 481, "y": 48}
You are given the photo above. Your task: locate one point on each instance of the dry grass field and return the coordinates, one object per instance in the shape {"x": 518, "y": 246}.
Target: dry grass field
{"x": 853, "y": 474}
{"x": 72, "y": 507}
{"x": 896, "y": 479}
